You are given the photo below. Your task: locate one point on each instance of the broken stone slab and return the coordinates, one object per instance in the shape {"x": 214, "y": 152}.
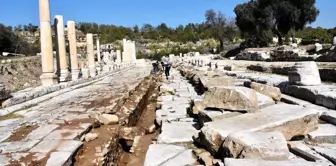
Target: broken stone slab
{"x": 300, "y": 149}
{"x": 264, "y": 101}
{"x": 158, "y": 154}
{"x": 290, "y": 120}
{"x": 305, "y": 74}
{"x": 229, "y": 98}
{"x": 270, "y": 91}
{"x": 177, "y": 132}
{"x": 19, "y": 146}
{"x": 60, "y": 158}
{"x": 128, "y": 134}
{"x": 256, "y": 145}
{"x": 41, "y": 132}
{"x": 166, "y": 98}
{"x": 65, "y": 134}
{"x": 258, "y": 162}
{"x": 329, "y": 153}
{"x": 47, "y": 146}
{"x": 326, "y": 133}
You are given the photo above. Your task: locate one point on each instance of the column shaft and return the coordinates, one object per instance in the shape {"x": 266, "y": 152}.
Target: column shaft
{"x": 73, "y": 50}
{"x": 90, "y": 54}
{"x": 61, "y": 51}
{"x": 48, "y": 76}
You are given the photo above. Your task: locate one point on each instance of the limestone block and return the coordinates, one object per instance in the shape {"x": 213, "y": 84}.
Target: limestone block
{"x": 229, "y": 98}
{"x": 90, "y": 137}
{"x": 108, "y": 119}
{"x": 157, "y": 154}
{"x": 300, "y": 149}
{"x": 290, "y": 120}
{"x": 318, "y": 47}
{"x": 329, "y": 153}
{"x": 256, "y": 145}
{"x": 305, "y": 74}
{"x": 269, "y": 91}
{"x": 209, "y": 115}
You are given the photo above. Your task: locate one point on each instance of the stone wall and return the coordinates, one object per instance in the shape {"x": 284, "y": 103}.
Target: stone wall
{"x": 21, "y": 73}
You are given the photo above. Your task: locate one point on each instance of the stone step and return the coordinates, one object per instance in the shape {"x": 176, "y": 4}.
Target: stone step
{"x": 326, "y": 133}
{"x": 302, "y": 150}
{"x": 177, "y": 132}
{"x": 291, "y": 120}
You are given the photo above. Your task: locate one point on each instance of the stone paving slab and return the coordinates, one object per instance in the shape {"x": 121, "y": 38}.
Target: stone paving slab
{"x": 41, "y": 132}
{"x": 46, "y": 146}
{"x": 184, "y": 158}
{"x": 60, "y": 159}
{"x": 177, "y": 132}
{"x": 19, "y": 146}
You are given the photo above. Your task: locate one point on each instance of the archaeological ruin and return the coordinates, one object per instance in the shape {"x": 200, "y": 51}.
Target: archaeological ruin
{"x": 271, "y": 106}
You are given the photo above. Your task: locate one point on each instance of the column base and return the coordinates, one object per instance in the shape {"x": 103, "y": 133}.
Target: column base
{"x": 75, "y": 74}
{"x": 48, "y": 79}
{"x": 85, "y": 73}
{"x": 64, "y": 76}
{"x": 93, "y": 72}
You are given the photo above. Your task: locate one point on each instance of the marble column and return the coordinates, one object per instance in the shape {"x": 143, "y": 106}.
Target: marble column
{"x": 90, "y": 54}
{"x": 73, "y": 50}
{"x": 48, "y": 76}
{"x": 98, "y": 50}
{"x": 61, "y": 51}
{"x": 118, "y": 56}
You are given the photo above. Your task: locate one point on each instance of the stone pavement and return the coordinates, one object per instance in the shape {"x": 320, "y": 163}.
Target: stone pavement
{"x": 49, "y": 133}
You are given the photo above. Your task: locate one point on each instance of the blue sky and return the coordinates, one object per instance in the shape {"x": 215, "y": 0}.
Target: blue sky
{"x": 131, "y": 12}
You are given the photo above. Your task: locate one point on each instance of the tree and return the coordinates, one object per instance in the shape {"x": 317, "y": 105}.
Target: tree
{"x": 220, "y": 27}
{"x": 257, "y": 18}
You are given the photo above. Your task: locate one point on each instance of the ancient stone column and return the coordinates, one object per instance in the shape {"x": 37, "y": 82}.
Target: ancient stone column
{"x": 118, "y": 56}
{"x": 133, "y": 51}
{"x": 98, "y": 50}
{"x": 61, "y": 51}
{"x": 90, "y": 54}
{"x": 73, "y": 50}
{"x": 48, "y": 76}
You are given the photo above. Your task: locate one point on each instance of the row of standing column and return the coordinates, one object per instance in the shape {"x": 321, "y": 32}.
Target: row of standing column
{"x": 49, "y": 77}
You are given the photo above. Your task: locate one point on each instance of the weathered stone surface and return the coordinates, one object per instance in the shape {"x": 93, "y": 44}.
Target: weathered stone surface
{"x": 302, "y": 150}
{"x": 60, "y": 159}
{"x": 184, "y": 158}
{"x": 256, "y": 145}
{"x": 41, "y": 132}
{"x": 66, "y": 134}
{"x": 304, "y": 73}
{"x": 229, "y": 98}
{"x": 326, "y": 133}
{"x": 208, "y": 82}
{"x": 269, "y": 91}
{"x": 256, "y": 162}
{"x": 177, "y": 132}
{"x": 209, "y": 115}
{"x": 108, "y": 119}
{"x": 158, "y": 154}
{"x": 9, "y": 147}
{"x": 57, "y": 145}
{"x": 264, "y": 101}
{"x": 4, "y": 93}
{"x": 329, "y": 153}
{"x": 290, "y": 120}
{"x": 90, "y": 137}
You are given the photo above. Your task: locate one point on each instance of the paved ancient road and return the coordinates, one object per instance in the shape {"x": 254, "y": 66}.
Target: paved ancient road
{"x": 46, "y": 132}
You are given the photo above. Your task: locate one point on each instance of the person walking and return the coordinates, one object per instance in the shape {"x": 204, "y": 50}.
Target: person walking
{"x": 167, "y": 69}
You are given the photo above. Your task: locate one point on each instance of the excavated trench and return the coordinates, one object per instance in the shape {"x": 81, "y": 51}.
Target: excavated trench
{"x": 136, "y": 116}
